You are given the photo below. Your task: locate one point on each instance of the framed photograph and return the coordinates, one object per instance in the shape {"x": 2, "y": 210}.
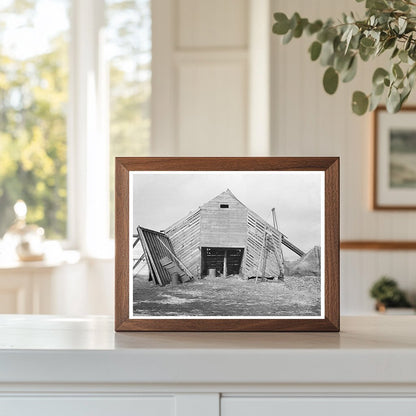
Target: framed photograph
{"x": 394, "y": 159}
{"x": 227, "y": 244}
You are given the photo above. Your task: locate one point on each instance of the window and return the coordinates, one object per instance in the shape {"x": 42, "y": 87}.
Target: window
{"x": 129, "y": 43}
{"x": 33, "y": 103}
{"x": 75, "y": 87}
{"x": 224, "y": 206}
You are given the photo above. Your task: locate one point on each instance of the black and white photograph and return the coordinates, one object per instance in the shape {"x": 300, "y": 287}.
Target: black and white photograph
{"x": 226, "y": 244}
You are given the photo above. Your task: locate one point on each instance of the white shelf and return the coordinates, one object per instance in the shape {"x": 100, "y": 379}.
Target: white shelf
{"x": 48, "y": 349}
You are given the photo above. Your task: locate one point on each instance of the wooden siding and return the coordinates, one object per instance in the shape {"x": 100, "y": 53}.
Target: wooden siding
{"x": 224, "y": 227}
{"x": 256, "y": 227}
{"x": 156, "y": 246}
{"x": 232, "y": 227}
{"x": 185, "y": 236}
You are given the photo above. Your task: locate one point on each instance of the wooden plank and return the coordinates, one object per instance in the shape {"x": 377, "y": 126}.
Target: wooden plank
{"x": 177, "y": 259}
{"x": 378, "y": 245}
{"x": 149, "y": 259}
{"x": 261, "y": 256}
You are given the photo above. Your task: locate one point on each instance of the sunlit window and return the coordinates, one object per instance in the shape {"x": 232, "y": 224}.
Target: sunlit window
{"x": 33, "y": 102}
{"x": 41, "y": 72}
{"x": 129, "y": 46}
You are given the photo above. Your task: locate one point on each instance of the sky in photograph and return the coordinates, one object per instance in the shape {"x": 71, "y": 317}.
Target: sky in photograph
{"x": 161, "y": 199}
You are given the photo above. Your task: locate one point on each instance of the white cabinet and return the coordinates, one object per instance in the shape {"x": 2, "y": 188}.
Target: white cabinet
{"x": 88, "y": 406}
{"x": 65, "y": 366}
{"x": 272, "y": 406}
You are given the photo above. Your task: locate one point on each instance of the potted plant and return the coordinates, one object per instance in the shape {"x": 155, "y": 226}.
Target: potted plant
{"x": 387, "y": 294}
{"x": 389, "y": 27}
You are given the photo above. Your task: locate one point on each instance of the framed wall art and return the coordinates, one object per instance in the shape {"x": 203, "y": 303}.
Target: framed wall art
{"x": 394, "y": 179}
{"x": 227, "y": 244}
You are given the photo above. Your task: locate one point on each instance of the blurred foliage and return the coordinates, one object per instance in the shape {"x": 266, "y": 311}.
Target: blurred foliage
{"x": 387, "y": 292}
{"x": 33, "y": 105}
{"x": 33, "y": 97}
{"x": 389, "y": 27}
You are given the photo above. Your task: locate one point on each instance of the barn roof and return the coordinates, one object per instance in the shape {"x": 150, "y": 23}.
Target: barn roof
{"x": 227, "y": 193}
{"x": 178, "y": 224}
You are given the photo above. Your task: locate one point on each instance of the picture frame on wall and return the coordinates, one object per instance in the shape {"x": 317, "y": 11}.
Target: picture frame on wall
{"x": 394, "y": 152}
{"x": 227, "y": 244}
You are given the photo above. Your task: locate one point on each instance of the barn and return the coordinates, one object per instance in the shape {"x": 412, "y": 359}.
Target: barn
{"x": 224, "y": 237}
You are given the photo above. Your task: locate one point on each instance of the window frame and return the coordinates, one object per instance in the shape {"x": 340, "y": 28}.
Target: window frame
{"x": 87, "y": 128}
{"x": 87, "y": 133}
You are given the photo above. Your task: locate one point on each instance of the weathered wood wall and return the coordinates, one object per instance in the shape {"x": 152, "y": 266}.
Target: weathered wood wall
{"x": 235, "y": 226}
{"x": 156, "y": 246}
{"x": 223, "y": 227}
{"x": 185, "y": 236}
{"x": 269, "y": 266}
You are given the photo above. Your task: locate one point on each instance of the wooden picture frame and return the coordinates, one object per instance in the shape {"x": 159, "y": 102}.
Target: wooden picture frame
{"x": 394, "y": 184}
{"x": 134, "y": 171}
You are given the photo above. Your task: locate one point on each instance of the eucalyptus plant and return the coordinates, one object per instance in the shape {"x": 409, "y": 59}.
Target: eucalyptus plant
{"x": 389, "y": 27}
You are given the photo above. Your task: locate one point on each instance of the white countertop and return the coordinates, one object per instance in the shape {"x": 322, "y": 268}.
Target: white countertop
{"x": 52, "y": 349}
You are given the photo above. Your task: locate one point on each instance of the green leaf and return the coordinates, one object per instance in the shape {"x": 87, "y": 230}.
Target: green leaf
{"x": 411, "y": 76}
{"x": 281, "y": 27}
{"x": 298, "y": 30}
{"x": 367, "y": 42}
{"x": 376, "y": 4}
{"x": 389, "y": 43}
{"x": 351, "y": 71}
{"x": 412, "y": 52}
{"x": 403, "y": 96}
{"x": 393, "y": 101}
{"x": 395, "y": 52}
{"x": 402, "y": 24}
{"x": 315, "y": 50}
{"x": 330, "y": 80}
{"x": 412, "y": 70}
{"x": 348, "y": 34}
{"x": 400, "y": 5}
{"x": 366, "y": 48}
{"x": 355, "y": 41}
{"x": 397, "y": 71}
{"x": 288, "y": 37}
{"x": 408, "y": 42}
{"x": 403, "y": 56}
{"x": 366, "y": 53}
{"x": 314, "y": 27}
{"x": 378, "y": 89}
{"x": 327, "y": 53}
{"x": 379, "y": 75}
{"x": 322, "y": 36}
{"x": 359, "y": 103}
{"x": 294, "y": 20}
{"x": 341, "y": 61}
{"x": 374, "y": 101}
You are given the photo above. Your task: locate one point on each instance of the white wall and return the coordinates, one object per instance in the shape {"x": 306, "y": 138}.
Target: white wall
{"x": 308, "y": 122}
{"x": 200, "y": 77}
{"x": 211, "y": 72}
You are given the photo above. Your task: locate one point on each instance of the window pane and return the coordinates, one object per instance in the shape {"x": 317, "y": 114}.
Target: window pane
{"x": 129, "y": 46}
{"x": 33, "y": 100}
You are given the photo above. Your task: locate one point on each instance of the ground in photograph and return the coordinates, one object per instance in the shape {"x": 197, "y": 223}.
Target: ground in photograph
{"x": 233, "y": 296}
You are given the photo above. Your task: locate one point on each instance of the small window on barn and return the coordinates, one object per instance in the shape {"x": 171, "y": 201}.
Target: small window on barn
{"x": 224, "y": 206}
